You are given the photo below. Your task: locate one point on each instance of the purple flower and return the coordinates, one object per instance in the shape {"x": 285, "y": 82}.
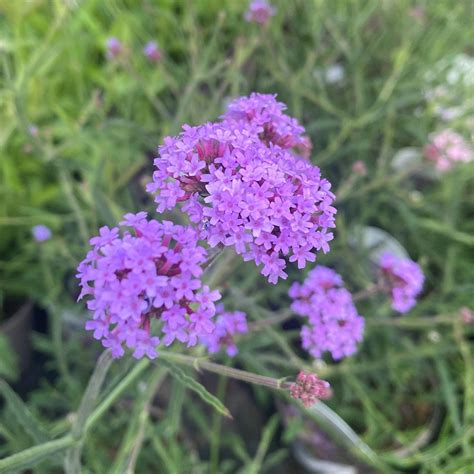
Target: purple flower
{"x": 404, "y": 280}
{"x": 114, "y": 48}
{"x": 243, "y": 181}
{"x": 333, "y": 322}
{"x": 150, "y": 274}
{"x": 41, "y": 233}
{"x": 259, "y": 11}
{"x": 227, "y": 325}
{"x": 153, "y": 52}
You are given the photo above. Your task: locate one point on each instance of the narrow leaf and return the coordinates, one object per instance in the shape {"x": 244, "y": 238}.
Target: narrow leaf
{"x": 22, "y": 414}
{"x": 8, "y": 360}
{"x": 449, "y": 391}
{"x": 196, "y": 387}
{"x": 262, "y": 449}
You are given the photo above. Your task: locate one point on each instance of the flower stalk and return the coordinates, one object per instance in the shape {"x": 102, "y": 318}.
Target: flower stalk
{"x": 199, "y": 363}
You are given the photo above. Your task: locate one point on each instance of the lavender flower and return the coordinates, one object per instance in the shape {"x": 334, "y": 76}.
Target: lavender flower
{"x": 153, "y": 52}
{"x": 227, "y": 325}
{"x": 242, "y": 179}
{"x": 446, "y": 148}
{"x": 41, "y": 233}
{"x": 114, "y": 48}
{"x": 149, "y": 274}
{"x": 334, "y": 324}
{"x": 259, "y": 11}
{"x": 404, "y": 280}
{"x": 309, "y": 388}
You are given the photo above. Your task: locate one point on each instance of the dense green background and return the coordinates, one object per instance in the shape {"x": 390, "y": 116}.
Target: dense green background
{"x": 99, "y": 123}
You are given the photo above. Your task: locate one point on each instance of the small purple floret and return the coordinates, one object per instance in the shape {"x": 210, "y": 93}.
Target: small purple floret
{"x": 227, "y": 325}
{"x": 41, "y": 233}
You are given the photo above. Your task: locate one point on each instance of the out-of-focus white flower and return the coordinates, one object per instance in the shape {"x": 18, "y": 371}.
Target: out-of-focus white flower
{"x": 335, "y": 74}
{"x": 449, "y": 87}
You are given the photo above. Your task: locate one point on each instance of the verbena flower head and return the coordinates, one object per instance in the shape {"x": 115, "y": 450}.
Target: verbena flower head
{"x": 114, "y": 48}
{"x": 404, "y": 280}
{"x": 264, "y": 115}
{"x": 153, "y": 52}
{"x": 41, "y": 233}
{"x": 447, "y": 148}
{"x": 260, "y": 11}
{"x": 247, "y": 188}
{"x": 309, "y": 388}
{"x": 333, "y": 322}
{"x": 227, "y": 324}
{"x": 150, "y": 273}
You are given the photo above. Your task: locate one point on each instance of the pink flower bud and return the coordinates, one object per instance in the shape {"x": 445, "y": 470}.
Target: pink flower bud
{"x": 309, "y": 388}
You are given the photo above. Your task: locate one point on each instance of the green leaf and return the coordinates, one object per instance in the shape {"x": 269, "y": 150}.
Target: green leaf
{"x": 377, "y": 241}
{"x": 23, "y": 415}
{"x": 196, "y": 387}
{"x": 72, "y": 462}
{"x": 268, "y": 433}
{"x": 449, "y": 391}
{"x": 135, "y": 435}
{"x": 8, "y": 360}
{"x": 341, "y": 431}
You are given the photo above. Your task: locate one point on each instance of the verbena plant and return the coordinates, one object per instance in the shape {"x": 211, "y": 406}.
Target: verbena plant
{"x": 357, "y": 77}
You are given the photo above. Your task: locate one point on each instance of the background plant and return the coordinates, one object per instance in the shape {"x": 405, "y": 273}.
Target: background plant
{"x": 98, "y": 124}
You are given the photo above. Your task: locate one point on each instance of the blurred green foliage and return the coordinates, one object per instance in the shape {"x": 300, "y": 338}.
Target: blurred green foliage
{"x": 98, "y": 124}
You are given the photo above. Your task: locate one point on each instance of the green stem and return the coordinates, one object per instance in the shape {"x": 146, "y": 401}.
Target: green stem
{"x": 367, "y": 292}
{"x": 72, "y": 462}
{"x": 375, "y": 184}
{"x": 116, "y": 392}
{"x": 32, "y": 456}
{"x": 250, "y": 377}
{"x": 71, "y": 198}
{"x": 216, "y": 429}
{"x": 56, "y": 326}
{"x": 413, "y": 322}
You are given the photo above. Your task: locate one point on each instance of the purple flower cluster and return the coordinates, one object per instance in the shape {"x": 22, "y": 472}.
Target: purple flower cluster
{"x": 243, "y": 180}
{"x": 227, "y": 324}
{"x": 334, "y": 324}
{"x": 403, "y": 278}
{"x": 149, "y": 274}
{"x": 259, "y": 11}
